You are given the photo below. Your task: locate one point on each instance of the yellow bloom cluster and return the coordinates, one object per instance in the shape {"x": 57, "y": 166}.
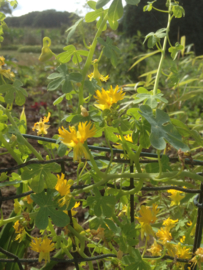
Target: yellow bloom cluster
{"x": 176, "y": 196}
{"x": 76, "y": 138}
{"x": 96, "y": 75}
{"x": 41, "y": 126}
{"x": 20, "y": 230}
{"x": 105, "y": 99}
{"x": 44, "y": 247}
{"x": 164, "y": 237}
{"x": 63, "y": 187}
{"x": 198, "y": 258}
{"x": 148, "y": 217}
{"x": 6, "y": 73}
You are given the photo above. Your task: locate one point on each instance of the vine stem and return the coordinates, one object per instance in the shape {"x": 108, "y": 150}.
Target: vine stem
{"x": 89, "y": 59}
{"x": 163, "y": 51}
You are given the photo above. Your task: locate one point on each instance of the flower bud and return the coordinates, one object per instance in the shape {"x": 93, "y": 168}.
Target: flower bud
{"x": 13, "y": 138}
{"x": 84, "y": 112}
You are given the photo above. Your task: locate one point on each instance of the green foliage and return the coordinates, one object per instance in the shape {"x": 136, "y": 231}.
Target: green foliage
{"x": 47, "y": 19}
{"x": 161, "y": 131}
{"x": 41, "y": 176}
{"x": 48, "y": 208}
{"x": 134, "y": 20}
{"x": 64, "y": 79}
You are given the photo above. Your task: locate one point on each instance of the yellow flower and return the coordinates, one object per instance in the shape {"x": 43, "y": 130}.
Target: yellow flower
{"x": 63, "y": 187}
{"x": 182, "y": 239}
{"x": 169, "y": 223}
{"x": 2, "y": 59}
{"x": 155, "y": 249}
{"x": 106, "y": 99}
{"x": 99, "y": 233}
{"x": 198, "y": 258}
{"x": 20, "y": 230}
{"x": 164, "y": 235}
{"x": 41, "y": 126}
{"x": 6, "y": 73}
{"x": 84, "y": 111}
{"x": 148, "y": 216}
{"x": 96, "y": 75}
{"x": 146, "y": 230}
{"x": 127, "y": 137}
{"x": 17, "y": 206}
{"x": 76, "y": 139}
{"x": 73, "y": 212}
{"x": 44, "y": 247}
{"x": 176, "y": 196}
{"x": 193, "y": 229}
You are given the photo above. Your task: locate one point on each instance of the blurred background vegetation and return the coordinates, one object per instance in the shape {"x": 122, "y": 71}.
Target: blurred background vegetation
{"x": 23, "y": 41}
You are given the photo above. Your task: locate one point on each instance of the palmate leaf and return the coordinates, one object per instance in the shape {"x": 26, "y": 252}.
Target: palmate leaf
{"x": 102, "y": 204}
{"x": 162, "y": 130}
{"x": 48, "y": 209}
{"x": 64, "y": 79}
{"x": 135, "y": 261}
{"x": 14, "y": 91}
{"x": 115, "y": 12}
{"x": 41, "y": 175}
{"x": 110, "y": 51}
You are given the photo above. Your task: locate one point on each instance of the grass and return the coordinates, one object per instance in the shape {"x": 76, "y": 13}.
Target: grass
{"x": 24, "y": 59}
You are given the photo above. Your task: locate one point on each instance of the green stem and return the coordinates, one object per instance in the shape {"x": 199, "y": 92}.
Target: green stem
{"x": 26, "y": 143}
{"x": 94, "y": 164}
{"x": 10, "y": 150}
{"x": 160, "y": 10}
{"x": 160, "y": 164}
{"x": 163, "y": 52}
{"x": 145, "y": 248}
{"x": 14, "y": 219}
{"x": 89, "y": 59}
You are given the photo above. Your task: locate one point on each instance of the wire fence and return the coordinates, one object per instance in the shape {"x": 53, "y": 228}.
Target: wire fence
{"x": 198, "y": 202}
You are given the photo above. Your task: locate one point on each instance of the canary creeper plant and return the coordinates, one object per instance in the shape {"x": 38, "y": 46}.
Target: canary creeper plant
{"x": 118, "y": 219}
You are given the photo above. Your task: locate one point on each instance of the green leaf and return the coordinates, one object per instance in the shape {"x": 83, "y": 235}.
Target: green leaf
{"x": 41, "y": 175}
{"x": 110, "y": 134}
{"x": 67, "y": 86}
{"x": 65, "y": 57}
{"x": 92, "y": 4}
{"x": 154, "y": 167}
{"x": 93, "y": 15}
{"x": 101, "y": 3}
{"x": 115, "y": 13}
{"x": 110, "y": 50}
{"x": 91, "y": 86}
{"x": 72, "y": 29}
{"x": 13, "y": 183}
{"x": 48, "y": 208}
{"x": 59, "y": 100}
{"x": 161, "y": 128}
{"x": 153, "y": 38}
{"x": 132, "y": 2}
{"x": 20, "y": 99}
{"x": 76, "y": 77}
{"x": 134, "y": 112}
{"x": 55, "y": 84}
{"x": 2, "y": 16}
{"x": 102, "y": 204}
{"x": 175, "y": 50}
{"x": 61, "y": 150}
{"x": 151, "y": 100}
{"x": 143, "y": 58}
{"x": 178, "y": 11}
